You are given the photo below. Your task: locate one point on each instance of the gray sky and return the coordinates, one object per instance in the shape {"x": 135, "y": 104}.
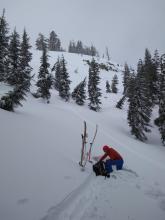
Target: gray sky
{"x": 126, "y": 27}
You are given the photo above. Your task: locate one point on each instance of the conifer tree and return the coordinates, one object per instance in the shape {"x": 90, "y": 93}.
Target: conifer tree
{"x": 72, "y": 47}
{"x": 160, "y": 121}
{"x": 79, "y": 93}
{"x": 114, "y": 84}
{"x": 126, "y": 77}
{"x": 14, "y": 75}
{"x": 157, "y": 70}
{"x": 57, "y": 69}
{"x": 156, "y": 61}
{"x": 130, "y": 88}
{"x": 79, "y": 47}
{"x": 58, "y": 46}
{"x": 120, "y": 103}
{"x": 93, "y": 90}
{"x": 13, "y": 98}
{"x": 139, "y": 112}
{"x": 108, "y": 87}
{"x": 25, "y": 58}
{"x": 87, "y": 51}
{"x": 150, "y": 76}
{"x": 45, "y": 80}
{"x": 4, "y": 39}
{"x": 18, "y": 73}
{"x": 54, "y": 42}
{"x": 93, "y": 51}
{"x": 64, "y": 84}
{"x": 41, "y": 42}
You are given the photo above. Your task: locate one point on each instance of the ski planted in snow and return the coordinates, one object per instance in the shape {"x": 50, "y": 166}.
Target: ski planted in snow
{"x": 91, "y": 144}
{"x": 83, "y": 159}
{"x": 86, "y": 155}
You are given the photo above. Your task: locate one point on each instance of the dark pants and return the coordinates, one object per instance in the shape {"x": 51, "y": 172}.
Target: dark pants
{"x": 109, "y": 163}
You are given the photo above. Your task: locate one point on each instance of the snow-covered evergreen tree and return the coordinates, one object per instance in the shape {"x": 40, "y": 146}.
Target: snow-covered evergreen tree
{"x": 108, "y": 87}
{"x": 114, "y": 84}
{"x": 120, "y": 103}
{"x": 130, "y": 88}
{"x": 156, "y": 61}
{"x": 92, "y": 51}
{"x": 64, "y": 84}
{"x": 4, "y": 39}
{"x": 93, "y": 90}
{"x": 79, "y": 93}
{"x": 57, "y": 69}
{"x": 150, "y": 76}
{"x": 54, "y": 43}
{"x": 58, "y": 45}
{"x": 19, "y": 58}
{"x": 13, "y": 98}
{"x": 139, "y": 112}
{"x": 18, "y": 74}
{"x": 41, "y": 42}
{"x": 72, "y": 47}
{"x": 79, "y": 47}
{"x": 160, "y": 121}
{"x": 45, "y": 79}
{"x": 157, "y": 70}
{"x": 14, "y": 74}
{"x": 126, "y": 77}
{"x": 25, "y": 58}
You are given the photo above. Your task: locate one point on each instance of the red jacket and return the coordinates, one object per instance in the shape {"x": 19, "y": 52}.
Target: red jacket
{"x": 112, "y": 153}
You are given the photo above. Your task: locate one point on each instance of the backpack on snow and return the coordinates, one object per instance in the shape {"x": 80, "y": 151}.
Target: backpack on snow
{"x": 99, "y": 169}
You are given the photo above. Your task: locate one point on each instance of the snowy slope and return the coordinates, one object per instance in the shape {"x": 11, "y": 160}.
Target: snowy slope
{"x": 40, "y": 150}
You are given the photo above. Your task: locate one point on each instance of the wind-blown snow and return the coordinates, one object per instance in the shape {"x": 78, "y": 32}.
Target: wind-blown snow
{"x": 40, "y": 149}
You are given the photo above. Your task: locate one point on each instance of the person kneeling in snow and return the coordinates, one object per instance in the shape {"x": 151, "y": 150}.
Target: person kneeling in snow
{"x": 115, "y": 159}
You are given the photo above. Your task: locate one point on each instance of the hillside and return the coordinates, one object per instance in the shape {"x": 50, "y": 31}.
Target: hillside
{"x": 40, "y": 149}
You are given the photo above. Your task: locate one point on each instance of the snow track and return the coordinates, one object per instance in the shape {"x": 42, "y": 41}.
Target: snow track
{"x": 83, "y": 203}
{"x": 98, "y": 198}
{"x": 66, "y": 207}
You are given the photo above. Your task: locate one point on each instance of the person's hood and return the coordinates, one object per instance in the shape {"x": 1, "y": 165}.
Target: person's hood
{"x": 105, "y": 148}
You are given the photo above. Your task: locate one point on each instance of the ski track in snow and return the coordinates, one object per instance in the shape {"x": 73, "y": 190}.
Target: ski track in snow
{"x": 83, "y": 203}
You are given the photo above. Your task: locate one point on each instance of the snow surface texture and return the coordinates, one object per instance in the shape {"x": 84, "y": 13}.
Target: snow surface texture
{"x": 40, "y": 178}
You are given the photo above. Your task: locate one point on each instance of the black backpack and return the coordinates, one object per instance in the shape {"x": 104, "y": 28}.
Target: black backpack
{"x": 99, "y": 169}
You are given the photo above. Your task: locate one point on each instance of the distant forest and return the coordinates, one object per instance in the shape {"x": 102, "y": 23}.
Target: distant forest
{"x": 53, "y": 43}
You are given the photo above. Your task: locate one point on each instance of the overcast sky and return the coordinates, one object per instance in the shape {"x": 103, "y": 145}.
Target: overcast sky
{"x": 126, "y": 27}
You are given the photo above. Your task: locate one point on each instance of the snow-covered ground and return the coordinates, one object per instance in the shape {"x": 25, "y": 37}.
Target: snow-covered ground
{"x": 40, "y": 149}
